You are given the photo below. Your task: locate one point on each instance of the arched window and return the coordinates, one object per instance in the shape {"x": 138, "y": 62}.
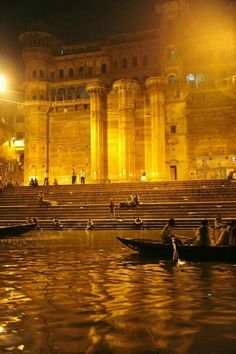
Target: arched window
{"x": 134, "y": 62}
{"x": 145, "y": 60}
{"x": 61, "y": 95}
{"x": 103, "y": 69}
{"x": 82, "y": 93}
{"x": 124, "y": 63}
{"x": 71, "y": 72}
{"x": 81, "y": 70}
{"x": 34, "y": 73}
{"x": 61, "y": 74}
{"x": 172, "y": 80}
{"x": 52, "y": 75}
{"x": 41, "y": 74}
{"x": 171, "y": 53}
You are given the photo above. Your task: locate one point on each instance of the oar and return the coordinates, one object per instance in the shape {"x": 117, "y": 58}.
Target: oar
{"x": 75, "y": 227}
{"x": 175, "y": 252}
{"x": 186, "y": 237}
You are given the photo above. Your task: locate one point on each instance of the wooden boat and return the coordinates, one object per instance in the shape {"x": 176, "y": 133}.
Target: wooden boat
{"x": 159, "y": 250}
{"x": 15, "y": 230}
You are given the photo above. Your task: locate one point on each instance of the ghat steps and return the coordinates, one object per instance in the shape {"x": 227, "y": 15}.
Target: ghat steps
{"x": 186, "y": 201}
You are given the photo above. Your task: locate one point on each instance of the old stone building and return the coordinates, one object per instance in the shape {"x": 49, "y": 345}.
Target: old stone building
{"x": 159, "y": 101}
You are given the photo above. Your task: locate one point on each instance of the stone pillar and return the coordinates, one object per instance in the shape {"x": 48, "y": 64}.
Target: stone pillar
{"x": 36, "y": 152}
{"x": 126, "y": 90}
{"x": 155, "y": 86}
{"x": 96, "y": 93}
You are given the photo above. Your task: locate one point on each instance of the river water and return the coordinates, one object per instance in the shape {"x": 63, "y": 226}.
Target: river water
{"x": 72, "y": 292}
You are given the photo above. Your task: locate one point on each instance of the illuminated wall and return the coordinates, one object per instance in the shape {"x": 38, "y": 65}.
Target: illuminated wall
{"x": 158, "y": 101}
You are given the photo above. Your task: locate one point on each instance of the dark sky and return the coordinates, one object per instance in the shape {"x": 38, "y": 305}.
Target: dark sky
{"x": 74, "y": 21}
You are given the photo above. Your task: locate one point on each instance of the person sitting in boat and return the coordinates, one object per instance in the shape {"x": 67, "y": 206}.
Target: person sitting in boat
{"x": 204, "y": 234}
{"x": 57, "y": 225}
{"x": 218, "y": 228}
{"x": 29, "y": 220}
{"x": 227, "y": 237}
{"x": 35, "y": 221}
{"x": 167, "y": 232}
{"x": 138, "y": 223}
{"x": 89, "y": 224}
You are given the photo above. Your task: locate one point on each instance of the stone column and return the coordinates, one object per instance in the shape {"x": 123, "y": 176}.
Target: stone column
{"x": 155, "y": 86}
{"x": 96, "y": 93}
{"x": 126, "y": 90}
{"x": 36, "y": 152}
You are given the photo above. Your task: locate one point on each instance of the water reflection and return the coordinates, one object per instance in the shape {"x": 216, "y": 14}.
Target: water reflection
{"x": 78, "y": 292}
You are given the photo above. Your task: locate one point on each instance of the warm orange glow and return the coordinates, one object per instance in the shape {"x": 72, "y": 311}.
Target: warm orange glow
{"x": 3, "y": 83}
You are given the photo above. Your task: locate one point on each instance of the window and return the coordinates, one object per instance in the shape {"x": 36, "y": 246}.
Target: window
{"x": 52, "y": 75}
{"x": 172, "y": 79}
{"x": 41, "y": 74}
{"x": 61, "y": 74}
{"x": 90, "y": 70}
{"x": 103, "y": 69}
{"x": 124, "y": 63}
{"x": 71, "y": 72}
{"x": 173, "y": 129}
{"x": 82, "y": 93}
{"x": 114, "y": 64}
{"x": 81, "y": 70}
{"x": 172, "y": 53}
{"x": 134, "y": 62}
{"x": 61, "y": 94}
{"x": 34, "y": 73}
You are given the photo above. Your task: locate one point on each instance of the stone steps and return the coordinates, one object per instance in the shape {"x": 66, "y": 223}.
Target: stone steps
{"x": 186, "y": 201}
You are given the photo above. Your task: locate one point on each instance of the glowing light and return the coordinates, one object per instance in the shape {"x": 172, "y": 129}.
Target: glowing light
{"x": 1, "y": 329}
{"x": 19, "y": 143}
{"x": 190, "y": 77}
{"x": 3, "y": 83}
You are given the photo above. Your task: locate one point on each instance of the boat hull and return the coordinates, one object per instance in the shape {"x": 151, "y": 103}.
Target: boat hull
{"x": 15, "y": 230}
{"x": 159, "y": 250}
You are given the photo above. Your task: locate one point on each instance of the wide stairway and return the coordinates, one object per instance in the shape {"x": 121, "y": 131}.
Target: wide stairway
{"x": 187, "y": 201}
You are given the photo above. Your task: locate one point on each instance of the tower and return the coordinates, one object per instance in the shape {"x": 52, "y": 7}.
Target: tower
{"x": 37, "y": 49}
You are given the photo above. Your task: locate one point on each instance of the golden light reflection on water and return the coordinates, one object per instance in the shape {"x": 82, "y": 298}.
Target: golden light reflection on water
{"x": 88, "y": 293}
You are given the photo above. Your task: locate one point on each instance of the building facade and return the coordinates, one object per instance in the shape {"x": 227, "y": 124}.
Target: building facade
{"x": 159, "y": 102}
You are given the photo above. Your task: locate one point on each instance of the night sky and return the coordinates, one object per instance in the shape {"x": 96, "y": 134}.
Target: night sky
{"x": 74, "y": 21}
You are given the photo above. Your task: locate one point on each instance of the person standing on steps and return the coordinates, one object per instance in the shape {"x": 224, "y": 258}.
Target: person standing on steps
{"x": 46, "y": 179}
{"x": 73, "y": 176}
{"x": 82, "y": 177}
{"x": 112, "y": 208}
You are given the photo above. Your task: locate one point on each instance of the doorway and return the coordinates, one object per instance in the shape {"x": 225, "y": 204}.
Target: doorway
{"x": 173, "y": 173}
